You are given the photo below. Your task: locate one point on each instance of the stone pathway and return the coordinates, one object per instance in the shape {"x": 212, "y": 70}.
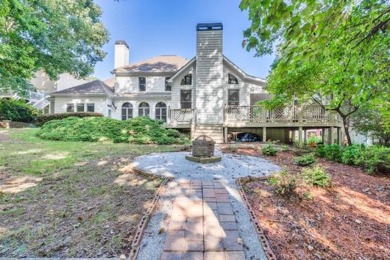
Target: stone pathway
{"x": 201, "y": 214}
{"x": 202, "y": 224}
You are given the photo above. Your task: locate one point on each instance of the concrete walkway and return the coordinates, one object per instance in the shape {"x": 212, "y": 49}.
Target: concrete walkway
{"x": 202, "y": 224}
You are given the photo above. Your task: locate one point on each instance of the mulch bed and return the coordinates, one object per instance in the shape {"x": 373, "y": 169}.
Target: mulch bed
{"x": 350, "y": 220}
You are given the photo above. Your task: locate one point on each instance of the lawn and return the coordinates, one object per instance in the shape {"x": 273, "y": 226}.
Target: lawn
{"x": 349, "y": 220}
{"x": 70, "y": 199}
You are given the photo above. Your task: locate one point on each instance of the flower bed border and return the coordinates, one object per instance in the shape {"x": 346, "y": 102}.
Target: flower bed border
{"x": 259, "y": 230}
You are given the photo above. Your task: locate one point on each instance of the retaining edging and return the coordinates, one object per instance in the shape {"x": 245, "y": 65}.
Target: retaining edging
{"x": 146, "y": 217}
{"x": 259, "y": 230}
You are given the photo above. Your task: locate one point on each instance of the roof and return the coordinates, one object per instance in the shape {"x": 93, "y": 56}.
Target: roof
{"x": 110, "y": 82}
{"x": 93, "y": 87}
{"x": 162, "y": 63}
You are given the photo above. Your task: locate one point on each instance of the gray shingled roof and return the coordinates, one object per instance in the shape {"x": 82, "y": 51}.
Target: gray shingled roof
{"x": 163, "y": 63}
{"x": 93, "y": 87}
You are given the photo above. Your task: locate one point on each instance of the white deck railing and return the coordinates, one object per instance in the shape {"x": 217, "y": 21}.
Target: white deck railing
{"x": 286, "y": 114}
{"x": 258, "y": 115}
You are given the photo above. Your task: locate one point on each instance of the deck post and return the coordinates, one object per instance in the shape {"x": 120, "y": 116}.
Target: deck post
{"x": 264, "y": 134}
{"x": 331, "y": 135}
{"x": 339, "y": 137}
{"x": 225, "y": 134}
{"x": 323, "y": 135}
{"x": 300, "y": 135}
{"x": 305, "y": 136}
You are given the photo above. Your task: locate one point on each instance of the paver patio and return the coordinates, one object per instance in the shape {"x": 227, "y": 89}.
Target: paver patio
{"x": 202, "y": 224}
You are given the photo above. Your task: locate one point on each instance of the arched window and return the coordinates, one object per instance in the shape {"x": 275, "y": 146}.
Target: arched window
{"x": 127, "y": 111}
{"x": 161, "y": 111}
{"x": 143, "y": 109}
{"x": 232, "y": 79}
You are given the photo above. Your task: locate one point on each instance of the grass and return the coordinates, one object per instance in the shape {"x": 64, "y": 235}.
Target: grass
{"x": 70, "y": 199}
{"x": 42, "y": 157}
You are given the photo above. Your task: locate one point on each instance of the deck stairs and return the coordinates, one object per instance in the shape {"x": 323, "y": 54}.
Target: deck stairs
{"x": 213, "y": 131}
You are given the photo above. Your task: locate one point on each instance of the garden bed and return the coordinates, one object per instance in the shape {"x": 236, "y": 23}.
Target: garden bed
{"x": 349, "y": 220}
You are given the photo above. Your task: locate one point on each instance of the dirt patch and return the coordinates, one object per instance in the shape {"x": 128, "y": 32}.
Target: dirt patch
{"x": 349, "y": 220}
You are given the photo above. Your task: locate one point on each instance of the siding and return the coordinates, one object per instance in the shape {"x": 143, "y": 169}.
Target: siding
{"x": 130, "y": 84}
{"x": 209, "y": 81}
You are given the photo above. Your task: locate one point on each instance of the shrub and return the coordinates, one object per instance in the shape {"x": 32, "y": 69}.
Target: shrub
{"x": 284, "y": 148}
{"x": 316, "y": 176}
{"x": 375, "y": 159}
{"x": 17, "y": 110}
{"x": 284, "y": 182}
{"x": 351, "y": 154}
{"x": 331, "y": 152}
{"x": 314, "y": 140}
{"x": 269, "y": 150}
{"x": 320, "y": 150}
{"x": 305, "y": 160}
{"x": 42, "y": 119}
{"x": 139, "y": 130}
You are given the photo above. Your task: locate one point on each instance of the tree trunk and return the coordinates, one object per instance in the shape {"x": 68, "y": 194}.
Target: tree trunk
{"x": 346, "y": 128}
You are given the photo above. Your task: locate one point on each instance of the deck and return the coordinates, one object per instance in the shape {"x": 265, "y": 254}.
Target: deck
{"x": 308, "y": 116}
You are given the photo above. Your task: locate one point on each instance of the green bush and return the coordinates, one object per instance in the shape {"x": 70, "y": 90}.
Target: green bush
{"x": 284, "y": 182}
{"x": 269, "y": 150}
{"x": 139, "y": 130}
{"x": 17, "y": 110}
{"x": 305, "y": 160}
{"x": 284, "y": 148}
{"x": 42, "y": 119}
{"x": 316, "y": 176}
{"x": 351, "y": 154}
{"x": 331, "y": 152}
{"x": 375, "y": 159}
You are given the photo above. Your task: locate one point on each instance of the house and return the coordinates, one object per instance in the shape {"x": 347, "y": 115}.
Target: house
{"x": 208, "y": 94}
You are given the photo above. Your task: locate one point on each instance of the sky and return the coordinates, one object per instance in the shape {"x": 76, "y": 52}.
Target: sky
{"x": 167, "y": 27}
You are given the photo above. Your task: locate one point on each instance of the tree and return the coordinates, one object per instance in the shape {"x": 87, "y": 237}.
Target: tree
{"x": 54, "y": 35}
{"x": 335, "y": 53}
{"x": 371, "y": 122}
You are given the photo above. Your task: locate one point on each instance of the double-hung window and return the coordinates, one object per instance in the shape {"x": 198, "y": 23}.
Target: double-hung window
{"x": 233, "y": 97}
{"x": 142, "y": 83}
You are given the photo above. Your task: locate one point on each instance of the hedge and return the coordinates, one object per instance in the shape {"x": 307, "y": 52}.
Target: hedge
{"x": 42, "y": 119}
{"x": 373, "y": 159}
{"x": 139, "y": 130}
{"x": 17, "y": 110}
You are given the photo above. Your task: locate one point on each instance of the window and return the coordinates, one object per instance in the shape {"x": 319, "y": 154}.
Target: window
{"x": 90, "y": 107}
{"x": 161, "y": 111}
{"x": 80, "y": 107}
{"x": 142, "y": 83}
{"x": 232, "y": 79}
{"x": 185, "y": 99}
{"x": 127, "y": 111}
{"x": 143, "y": 109}
{"x": 70, "y": 107}
{"x": 233, "y": 97}
{"x": 187, "y": 80}
{"x": 168, "y": 86}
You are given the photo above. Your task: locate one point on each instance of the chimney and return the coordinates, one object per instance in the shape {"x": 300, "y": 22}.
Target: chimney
{"x": 122, "y": 54}
{"x": 209, "y": 96}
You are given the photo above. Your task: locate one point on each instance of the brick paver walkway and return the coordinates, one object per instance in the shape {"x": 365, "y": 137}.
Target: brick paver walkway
{"x": 202, "y": 224}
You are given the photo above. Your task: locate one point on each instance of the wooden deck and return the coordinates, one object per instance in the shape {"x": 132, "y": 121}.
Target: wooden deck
{"x": 309, "y": 116}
